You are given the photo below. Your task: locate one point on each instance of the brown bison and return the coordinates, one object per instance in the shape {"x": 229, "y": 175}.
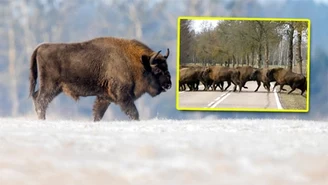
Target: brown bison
{"x": 286, "y": 77}
{"x": 245, "y": 74}
{"x": 205, "y": 79}
{"x": 190, "y": 76}
{"x": 115, "y": 70}
{"x": 218, "y": 75}
{"x": 260, "y": 75}
{"x": 211, "y": 74}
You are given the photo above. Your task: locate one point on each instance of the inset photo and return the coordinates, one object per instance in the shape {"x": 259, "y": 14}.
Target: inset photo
{"x": 243, "y": 64}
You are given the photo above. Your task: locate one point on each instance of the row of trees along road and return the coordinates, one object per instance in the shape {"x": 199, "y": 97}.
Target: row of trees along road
{"x": 239, "y": 42}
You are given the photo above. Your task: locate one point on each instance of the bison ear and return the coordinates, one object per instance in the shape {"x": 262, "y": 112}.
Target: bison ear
{"x": 145, "y": 61}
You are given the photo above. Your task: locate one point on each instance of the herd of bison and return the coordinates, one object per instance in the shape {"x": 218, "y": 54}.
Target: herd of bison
{"x": 215, "y": 76}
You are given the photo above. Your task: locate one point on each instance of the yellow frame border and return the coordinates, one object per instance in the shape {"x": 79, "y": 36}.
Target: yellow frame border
{"x": 242, "y": 109}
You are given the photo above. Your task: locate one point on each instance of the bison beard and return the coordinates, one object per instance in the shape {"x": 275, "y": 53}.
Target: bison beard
{"x": 114, "y": 70}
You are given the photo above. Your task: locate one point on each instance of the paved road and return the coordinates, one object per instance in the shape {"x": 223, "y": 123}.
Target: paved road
{"x": 229, "y": 99}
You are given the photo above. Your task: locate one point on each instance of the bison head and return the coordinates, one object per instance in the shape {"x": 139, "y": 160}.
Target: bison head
{"x": 156, "y": 65}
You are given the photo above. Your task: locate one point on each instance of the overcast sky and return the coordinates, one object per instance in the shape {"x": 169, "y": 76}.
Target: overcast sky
{"x": 197, "y": 24}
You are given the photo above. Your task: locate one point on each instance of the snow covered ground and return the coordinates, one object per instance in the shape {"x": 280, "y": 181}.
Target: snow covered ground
{"x": 164, "y": 152}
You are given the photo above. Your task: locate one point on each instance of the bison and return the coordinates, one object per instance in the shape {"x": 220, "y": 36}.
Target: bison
{"x": 245, "y": 73}
{"x": 218, "y": 75}
{"x": 190, "y": 76}
{"x": 115, "y": 70}
{"x": 286, "y": 77}
{"x": 211, "y": 75}
{"x": 205, "y": 79}
{"x": 260, "y": 75}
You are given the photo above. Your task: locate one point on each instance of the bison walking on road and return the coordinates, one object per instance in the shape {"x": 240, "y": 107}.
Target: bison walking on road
{"x": 221, "y": 74}
{"x": 260, "y": 75}
{"x": 245, "y": 73}
{"x": 190, "y": 76}
{"x": 286, "y": 77}
{"x": 115, "y": 70}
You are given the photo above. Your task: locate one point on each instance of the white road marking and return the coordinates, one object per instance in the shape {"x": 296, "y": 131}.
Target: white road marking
{"x": 216, "y": 99}
{"x": 277, "y": 99}
{"x": 219, "y": 99}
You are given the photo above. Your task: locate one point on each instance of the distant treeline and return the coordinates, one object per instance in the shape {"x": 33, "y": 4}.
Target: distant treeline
{"x": 239, "y": 42}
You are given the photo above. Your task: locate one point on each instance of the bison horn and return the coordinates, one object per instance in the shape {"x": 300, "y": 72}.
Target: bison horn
{"x": 167, "y": 53}
{"x": 153, "y": 57}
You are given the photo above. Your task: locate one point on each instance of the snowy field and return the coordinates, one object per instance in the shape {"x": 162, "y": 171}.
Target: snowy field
{"x": 165, "y": 152}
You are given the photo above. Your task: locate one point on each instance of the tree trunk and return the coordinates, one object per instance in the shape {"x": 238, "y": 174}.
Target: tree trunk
{"x": 238, "y": 61}
{"x": 266, "y": 54}
{"x": 299, "y": 52}
{"x": 247, "y": 59}
{"x": 253, "y": 57}
{"x": 259, "y": 60}
{"x": 290, "y": 47}
{"x": 233, "y": 60}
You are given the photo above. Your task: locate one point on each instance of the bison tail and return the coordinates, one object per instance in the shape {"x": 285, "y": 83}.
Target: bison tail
{"x": 33, "y": 72}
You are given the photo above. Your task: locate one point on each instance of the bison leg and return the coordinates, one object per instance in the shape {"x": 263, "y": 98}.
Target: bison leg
{"x": 229, "y": 84}
{"x": 205, "y": 86}
{"x": 293, "y": 89}
{"x": 214, "y": 86}
{"x": 221, "y": 86}
{"x": 184, "y": 87}
{"x": 191, "y": 86}
{"x": 196, "y": 85}
{"x": 99, "y": 108}
{"x": 258, "y": 86}
{"x": 130, "y": 109}
{"x": 241, "y": 85}
{"x": 235, "y": 88}
{"x": 294, "y": 86}
{"x": 282, "y": 87}
{"x": 267, "y": 85}
{"x": 42, "y": 100}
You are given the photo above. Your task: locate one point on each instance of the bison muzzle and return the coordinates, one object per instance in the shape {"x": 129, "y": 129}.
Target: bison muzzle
{"x": 115, "y": 70}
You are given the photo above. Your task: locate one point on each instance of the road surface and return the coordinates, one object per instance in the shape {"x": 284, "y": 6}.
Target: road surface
{"x": 229, "y": 99}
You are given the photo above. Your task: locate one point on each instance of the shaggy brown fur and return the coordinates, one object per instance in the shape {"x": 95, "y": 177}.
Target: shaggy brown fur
{"x": 205, "y": 79}
{"x": 245, "y": 75}
{"x": 211, "y": 74}
{"x": 219, "y": 74}
{"x": 286, "y": 77}
{"x": 260, "y": 75}
{"x": 190, "y": 76}
{"x": 115, "y": 70}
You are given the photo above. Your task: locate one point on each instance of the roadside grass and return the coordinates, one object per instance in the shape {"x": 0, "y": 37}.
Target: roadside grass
{"x": 292, "y": 101}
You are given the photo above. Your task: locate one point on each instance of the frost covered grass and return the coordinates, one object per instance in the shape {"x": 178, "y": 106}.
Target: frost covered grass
{"x": 236, "y": 151}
